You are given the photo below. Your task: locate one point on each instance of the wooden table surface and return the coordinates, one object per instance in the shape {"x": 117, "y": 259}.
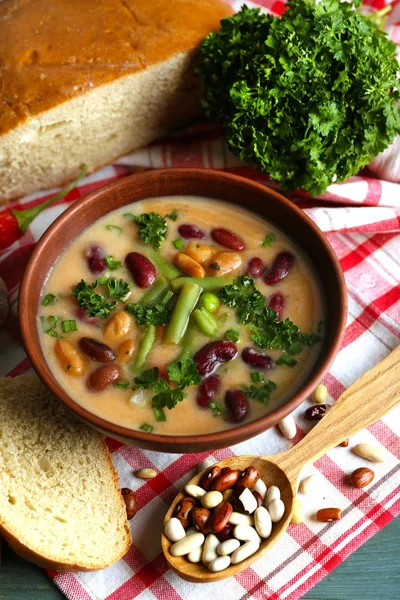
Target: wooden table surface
{"x": 370, "y": 573}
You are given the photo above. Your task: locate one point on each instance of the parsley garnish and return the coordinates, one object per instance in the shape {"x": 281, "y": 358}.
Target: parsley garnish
{"x": 244, "y": 296}
{"x": 173, "y": 215}
{"x": 153, "y": 229}
{"x": 148, "y": 314}
{"x": 112, "y": 264}
{"x": 49, "y": 300}
{"x": 269, "y": 332}
{"x": 97, "y": 304}
{"x": 267, "y": 241}
{"x": 309, "y": 97}
{"x": 215, "y": 266}
{"x": 117, "y": 289}
{"x": 182, "y": 372}
{"x": 261, "y": 393}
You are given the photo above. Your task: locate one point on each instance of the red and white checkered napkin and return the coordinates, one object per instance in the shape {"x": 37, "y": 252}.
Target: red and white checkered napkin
{"x": 365, "y": 233}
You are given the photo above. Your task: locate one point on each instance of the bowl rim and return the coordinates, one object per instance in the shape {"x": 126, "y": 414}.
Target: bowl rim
{"x": 156, "y": 441}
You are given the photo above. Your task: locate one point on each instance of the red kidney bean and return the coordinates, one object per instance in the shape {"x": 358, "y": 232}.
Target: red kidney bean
{"x": 234, "y": 499}
{"x": 277, "y": 303}
{"x": 188, "y": 231}
{"x": 227, "y": 238}
{"x": 225, "y": 470}
{"x": 220, "y": 517}
{"x": 96, "y": 350}
{"x": 212, "y": 355}
{"x": 255, "y": 267}
{"x": 103, "y": 376}
{"x": 207, "y": 390}
{"x": 209, "y": 477}
{"x": 279, "y": 269}
{"x": 249, "y": 477}
{"x": 201, "y": 519}
{"x": 237, "y": 405}
{"x": 225, "y": 481}
{"x": 256, "y": 359}
{"x": 142, "y": 270}
{"x": 95, "y": 257}
{"x": 82, "y": 315}
{"x": 183, "y": 511}
{"x": 130, "y": 502}
{"x": 316, "y": 412}
{"x": 226, "y": 533}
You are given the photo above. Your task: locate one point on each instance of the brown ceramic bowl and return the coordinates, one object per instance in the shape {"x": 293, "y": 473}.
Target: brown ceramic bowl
{"x": 223, "y": 186}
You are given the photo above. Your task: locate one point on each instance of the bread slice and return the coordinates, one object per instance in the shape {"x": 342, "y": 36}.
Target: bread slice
{"x": 60, "y": 503}
{"x": 87, "y": 82}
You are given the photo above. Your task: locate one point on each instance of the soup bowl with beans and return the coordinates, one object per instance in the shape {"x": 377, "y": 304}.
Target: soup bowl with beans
{"x": 182, "y": 310}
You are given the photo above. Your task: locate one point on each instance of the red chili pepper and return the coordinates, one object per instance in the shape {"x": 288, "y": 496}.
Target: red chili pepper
{"x": 14, "y": 222}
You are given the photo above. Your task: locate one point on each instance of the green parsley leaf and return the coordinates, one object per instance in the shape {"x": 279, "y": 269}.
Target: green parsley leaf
{"x": 49, "y": 300}
{"x": 286, "y": 361}
{"x": 310, "y": 98}
{"x": 112, "y": 264}
{"x": 68, "y": 326}
{"x": 309, "y": 339}
{"x": 215, "y": 266}
{"x": 216, "y": 408}
{"x": 261, "y": 393}
{"x": 244, "y": 296}
{"x": 114, "y": 228}
{"x": 269, "y": 332}
{"x": 146, "y": 379}
{"x": 173, "y": 215}
{"x": 96, "y": 304}
{"x": 153, "y": 229}
{"x": 117, "y": 289}
{"x": 146, "y": 427}
{"x": 178, "y": 243}
{"x": 147, "y": 314}
{"x": 267, "y": 241}
{"x": 184, "y": 372}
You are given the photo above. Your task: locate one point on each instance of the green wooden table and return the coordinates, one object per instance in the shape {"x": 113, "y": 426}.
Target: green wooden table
{"x": 371, "y": 573}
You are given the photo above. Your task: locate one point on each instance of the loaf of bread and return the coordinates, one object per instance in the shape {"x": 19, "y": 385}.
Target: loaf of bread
{"x": 88, "y": 81}
{"x": 60, "y": 503}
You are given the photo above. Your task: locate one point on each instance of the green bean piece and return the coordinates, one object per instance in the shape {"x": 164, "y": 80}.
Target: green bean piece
{"x": 166, "y": 268}
{"x": 186, "y": 302}
{"x": 165, "y": 297}
{"x": 206, "y": 283}
{"x": 188, "y": 342}
{"x": 205, "y": 322}
{"x": 156, "y": 290}
{"x": 210, "y": 302}
{"x": 146, "y": 344}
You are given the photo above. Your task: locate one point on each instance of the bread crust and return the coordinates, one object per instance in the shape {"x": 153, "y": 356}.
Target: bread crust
{"x": 54, "y": 51}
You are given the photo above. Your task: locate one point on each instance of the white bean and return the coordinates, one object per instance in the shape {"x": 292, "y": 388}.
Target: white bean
{"x": 211, "y": 499}
{"x": 228, "y": 546}
{"x": 248, "y": 500}
{"x": 370, "y": 452}
{"x": 246, "y": 533}
{"x": 260, "y": 487}
{"x": 205, "y": 464}
{"x": 219, "y": 564}
{"x": 195, "y": 555}
{"x": 309, "y": 484}
{"x": 191, "y": 530}
{"x": 237, "y": 518}
{"x": 276, "y": 510}
{"x": 262, "y": 522}
{"x": 210, "y": 549}
{"x": 174, "y": 530}
{"x": 146, "y": 473}
{"x": 244, "y": 552}
{"x": 273, "y": 493}
{"x": 187, "y": 544}
{"x": 288, "y": 427}
{"x": 194, "y": 490}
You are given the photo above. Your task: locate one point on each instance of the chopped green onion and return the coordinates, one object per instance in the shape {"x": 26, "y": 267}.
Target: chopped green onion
{"x": 146, "y": 427}
{"x": 112, "y": 264}
{"x": 216, "y": 408}
{"x": 128, "y": 216}
{"x": 68, "y": 326}
{"x": 215, "y": 266}
{"x": 295, "y": 348}
{"x": 117, "y": 230}
{"x": 173, "y": 215}
{"x": 49, "y": 300}
{"x": 257, "y": 376}
{"x": 178, "y": 243}
{"x": 122, "y": 384}
{"x": 159, "y": 413}
{"x": 232, "y": 335}
{"x": 267, "y": 241}
{"x": 49, "y": 325}
{"x": 286, "y": 361}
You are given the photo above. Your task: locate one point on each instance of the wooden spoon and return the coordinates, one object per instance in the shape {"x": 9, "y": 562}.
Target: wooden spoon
{"x": 363, "y": 403}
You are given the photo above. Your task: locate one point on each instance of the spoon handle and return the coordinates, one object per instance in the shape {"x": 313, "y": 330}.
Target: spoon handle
{"x": 366, "y": 401}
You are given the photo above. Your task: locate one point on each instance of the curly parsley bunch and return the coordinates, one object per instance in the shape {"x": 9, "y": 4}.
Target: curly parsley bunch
{"x": 309, "y": 98}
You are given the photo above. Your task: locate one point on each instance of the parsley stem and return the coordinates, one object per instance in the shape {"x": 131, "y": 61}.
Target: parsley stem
{"x": 146, "y": 344}
{"x": 165, "y": 267}
{"x": 186, "y": 302}
{"x": 206, "y": 283}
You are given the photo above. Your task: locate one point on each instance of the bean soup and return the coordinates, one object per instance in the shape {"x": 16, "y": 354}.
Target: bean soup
{"x": 181, "y": 316}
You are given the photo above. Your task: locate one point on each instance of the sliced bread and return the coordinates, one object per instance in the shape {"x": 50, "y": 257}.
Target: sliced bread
{"x": 60, "y": 503}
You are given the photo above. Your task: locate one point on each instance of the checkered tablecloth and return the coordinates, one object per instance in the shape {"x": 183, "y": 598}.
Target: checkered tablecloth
{"x": 361, "y": 219}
